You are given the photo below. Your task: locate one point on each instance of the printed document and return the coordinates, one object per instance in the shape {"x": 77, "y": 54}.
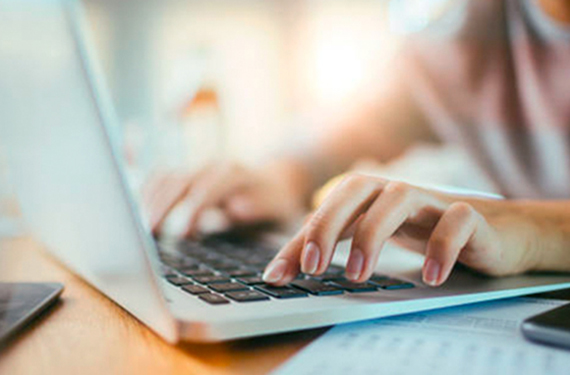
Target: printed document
{"x": 479, "y": 339}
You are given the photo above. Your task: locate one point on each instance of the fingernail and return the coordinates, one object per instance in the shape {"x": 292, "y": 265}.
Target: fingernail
{"x": 355, "y": 264}
{"x": 431, "y": 272}
{"x": 275, "y": 271}
{"x": 311, "y": 256}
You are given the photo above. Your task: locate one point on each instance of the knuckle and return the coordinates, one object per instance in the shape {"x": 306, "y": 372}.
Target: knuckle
{"x": 355, "y": 179}
{"x": 317, "y": 226}
{"x": 398, "y": 188}
{"x": 462, "y": 208}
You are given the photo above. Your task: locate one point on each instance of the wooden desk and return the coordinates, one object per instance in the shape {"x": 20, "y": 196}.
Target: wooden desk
{"x": 86, "y": 333}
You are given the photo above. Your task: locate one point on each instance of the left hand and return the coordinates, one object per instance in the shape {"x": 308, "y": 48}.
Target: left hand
{"x": 482, "y": 234}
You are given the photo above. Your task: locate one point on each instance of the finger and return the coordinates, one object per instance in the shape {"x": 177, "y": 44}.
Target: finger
{"x": 159, "y": 194}
{"x": 169, "y": 195}
{"x": 285, "y": 266}
{"x": 451, "y": 234}
{"x": 397, "y": 203}
{"x": 155, "y": 189}
{"x": 209, "y": 191}
{"x": 173, "y": 189}
{"x": 341, "y": 208}
{"x": 151, "y": 188}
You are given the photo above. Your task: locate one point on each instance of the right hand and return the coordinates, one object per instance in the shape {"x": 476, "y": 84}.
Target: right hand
{"x": 244, "y": 196}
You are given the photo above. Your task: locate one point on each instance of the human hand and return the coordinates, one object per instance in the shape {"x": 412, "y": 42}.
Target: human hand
{"x": 485, "y": 235}
{"x": 243, "y": 195}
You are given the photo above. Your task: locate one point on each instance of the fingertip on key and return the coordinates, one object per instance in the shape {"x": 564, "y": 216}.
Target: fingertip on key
{"x": 310, "y": 258}
{"x": 355, "y": 265}
{"x": 431, "y": 272}
{"x": 275, "y": 271}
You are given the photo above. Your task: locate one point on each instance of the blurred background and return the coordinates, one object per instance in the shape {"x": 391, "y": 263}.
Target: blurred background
{"x": 253, "y": 69}
{"x": 193, "y": 81}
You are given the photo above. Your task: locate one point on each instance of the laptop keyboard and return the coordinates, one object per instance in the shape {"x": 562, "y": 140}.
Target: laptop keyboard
{"x": 219, "y": 272}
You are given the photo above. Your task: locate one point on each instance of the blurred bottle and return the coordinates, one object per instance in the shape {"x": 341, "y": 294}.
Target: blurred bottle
{"x": 202, "y": 128}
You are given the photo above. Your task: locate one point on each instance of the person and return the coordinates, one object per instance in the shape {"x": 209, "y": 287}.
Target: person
{"x": 493, "y": 79}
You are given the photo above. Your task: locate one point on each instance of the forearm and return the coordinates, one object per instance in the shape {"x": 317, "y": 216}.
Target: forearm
{"x": 295, "y": 174}
{"x": 379, "y": 128}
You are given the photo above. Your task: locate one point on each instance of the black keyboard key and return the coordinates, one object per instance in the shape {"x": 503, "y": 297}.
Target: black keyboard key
{"x": 392, "y": 284}
{"x": 212, "y": 279}
{"x": 189, "y": 266}
{"x": 195, "y": 289}
{"x": 399, "y": 285}
{"x": 316, "y": 287}
{"x": 334, "y": 270}
{"x": 191, "y": 250}
{"x": 251, "y": 280}
{"x": 213, "y": 299}
{"x": 168, "y": 255}
{"x": 199, "y": 272}
{"x": 227, "y": 287}
{"x": 280, "y": 291}
{"x": 241, "y": 272}
{"x": 259, "y": 266}
{"x": 223, "y": 266}
{"x": 355, "y": 287}
{"x": 178, "y": 280}
{"x": 379, "y": 278}
{"x": 211, "y": 257}
{"x": 331, "y": 274}
{"x": 167, "y": 271}
{"x": 174, "y": 263}
{"x": 187, "y": 262}
{"x": 327, "y": 277}
{"x": 247, "y": 296}
{"x": 241, "y": 254}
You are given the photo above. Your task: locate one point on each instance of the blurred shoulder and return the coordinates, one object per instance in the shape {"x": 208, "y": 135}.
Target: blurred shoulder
{"x": 446, "y": 18}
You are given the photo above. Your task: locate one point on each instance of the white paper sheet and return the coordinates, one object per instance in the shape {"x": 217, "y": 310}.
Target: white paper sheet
{"x": 469, "y": 340}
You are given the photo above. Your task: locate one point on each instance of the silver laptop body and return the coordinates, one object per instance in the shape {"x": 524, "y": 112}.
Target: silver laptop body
{"x": 55, "y": 127}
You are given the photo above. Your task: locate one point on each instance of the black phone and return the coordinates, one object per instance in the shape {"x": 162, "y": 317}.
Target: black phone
{"x": 22, "y": 302}
{"x": 551, "y": 327}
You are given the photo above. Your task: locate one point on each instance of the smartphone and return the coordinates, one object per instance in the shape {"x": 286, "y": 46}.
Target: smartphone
{"x": 551, "y": 327}
{"x": 20, "y": 303}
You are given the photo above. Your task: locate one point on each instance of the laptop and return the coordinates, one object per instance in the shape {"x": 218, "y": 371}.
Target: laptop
{"x": 56, "y": 122}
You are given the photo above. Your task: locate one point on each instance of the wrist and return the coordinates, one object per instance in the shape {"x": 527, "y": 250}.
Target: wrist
{"x": 551, "y": 250}
{"x": 548, "y": 243}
